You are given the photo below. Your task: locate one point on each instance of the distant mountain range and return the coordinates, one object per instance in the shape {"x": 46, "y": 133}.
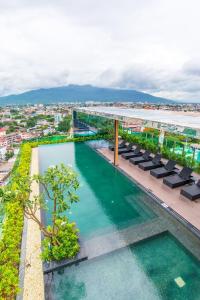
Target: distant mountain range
{"x": 80, "y": 93}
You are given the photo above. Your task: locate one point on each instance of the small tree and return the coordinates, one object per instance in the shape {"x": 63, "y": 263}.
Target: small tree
{"x": 9, "y": 154}
{"x": 59, "y": 184}
{"x": 31, "y": 122}
{"x": 64, "y": 125}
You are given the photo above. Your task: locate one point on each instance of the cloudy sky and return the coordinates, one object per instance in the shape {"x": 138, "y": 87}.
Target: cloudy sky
{"x": 147, "y": 45}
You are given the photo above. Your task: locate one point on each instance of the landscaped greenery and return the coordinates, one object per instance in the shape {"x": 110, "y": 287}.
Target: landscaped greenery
{"x": 18, "y": 192}
{"x": 59, "y": 184}
{"x": 12, "y": 227}
{"x": 51, "y": 140}
{"x": 32, "y": 121}
{"x": 9, "y": 154}
{"x": 65, "y": 124}
{"x": 165, "y": 151}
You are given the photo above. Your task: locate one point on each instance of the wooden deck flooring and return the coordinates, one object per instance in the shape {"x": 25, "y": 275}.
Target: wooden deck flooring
{"x": 189, "y": 210}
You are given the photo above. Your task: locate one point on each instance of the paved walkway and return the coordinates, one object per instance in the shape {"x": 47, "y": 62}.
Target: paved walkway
{"x": 190, "y": 210}
{"x": 33, "y": 278}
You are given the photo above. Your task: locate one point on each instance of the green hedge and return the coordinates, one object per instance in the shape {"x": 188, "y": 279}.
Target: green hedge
{"x": 41, "y": 141}
{"x": 10, "y": 242}
{"x": 12, "y": 231}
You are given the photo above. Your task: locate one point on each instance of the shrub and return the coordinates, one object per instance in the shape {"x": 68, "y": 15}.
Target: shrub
{"x": 181, "y": 159}
{"x": 66, "y": 242}
{"x": 44, "y": 141}
{"x": 65, "y": 124}
{"x": 12, "y": 230}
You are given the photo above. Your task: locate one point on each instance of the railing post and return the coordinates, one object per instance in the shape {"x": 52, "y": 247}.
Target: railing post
{"x": 116, "y": 143}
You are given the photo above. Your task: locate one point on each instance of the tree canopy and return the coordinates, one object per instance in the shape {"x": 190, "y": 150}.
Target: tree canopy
{"x": 64, "y": 125}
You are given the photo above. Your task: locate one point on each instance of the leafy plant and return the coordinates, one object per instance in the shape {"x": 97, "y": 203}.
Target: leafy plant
{"x": 12, "y": 229}
{"x": 181, "y": 159}
{"x": 9, "y": 154}
{"x": 63, "y": 244}
{"x": 64, "y": 125}
{"x": 59, "y": 184}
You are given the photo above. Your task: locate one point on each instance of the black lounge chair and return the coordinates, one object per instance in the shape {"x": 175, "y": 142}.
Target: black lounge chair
{"x": 145, "y": 157}
{"x": 127, "y": 149}
{"x": 120, "y": 146}
{"x": 180, "y": 179}
{"x": 164, "y": 171}
{"x": 134, "y": 153}
{"x": 192, "y": 192}
{"x": 153, "y": 164}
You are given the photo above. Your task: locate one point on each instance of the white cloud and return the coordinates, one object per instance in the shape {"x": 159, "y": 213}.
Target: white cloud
{"x": 149, "y": 45}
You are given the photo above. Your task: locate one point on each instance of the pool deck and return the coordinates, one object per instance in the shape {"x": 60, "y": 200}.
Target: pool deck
{"x": 189, "y": 210}
{"x": 33, "y": 276}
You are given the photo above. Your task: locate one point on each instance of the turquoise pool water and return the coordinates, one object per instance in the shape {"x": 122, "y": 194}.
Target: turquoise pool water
{"x": 188, "y": 152}
{"x": 157, "y": 268}
{"x": 84, "y": 133}
{"x": 108, "y": 200}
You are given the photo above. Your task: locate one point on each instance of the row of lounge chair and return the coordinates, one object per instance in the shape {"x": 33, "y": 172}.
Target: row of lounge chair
{"x": 172, "y": 177}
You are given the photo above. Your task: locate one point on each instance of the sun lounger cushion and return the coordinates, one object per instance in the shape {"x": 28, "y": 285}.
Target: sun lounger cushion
{"x": 136, "y": 152}
{"x": 155, "y": 163}
{"x": 164, "y": 171}
{"x": 121, "y": 145}
{"x": 170, "y": 165}
{"x": 126, "y": 149}
{"x": 142, "y": 158}
{"x": 185, "y": 173}
{"x": 180, "y": 179}
{"x": 191, "y": 192}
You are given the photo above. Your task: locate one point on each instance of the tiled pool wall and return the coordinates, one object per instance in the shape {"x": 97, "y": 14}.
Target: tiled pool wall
{"x": 155, "y": 268}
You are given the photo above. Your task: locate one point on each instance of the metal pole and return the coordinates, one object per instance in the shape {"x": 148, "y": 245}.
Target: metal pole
{"x": 116, "y": 143}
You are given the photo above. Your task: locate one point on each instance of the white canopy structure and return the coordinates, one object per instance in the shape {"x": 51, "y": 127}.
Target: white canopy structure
{"x": 187, "y": 123}
{"x": 161, "y": 119}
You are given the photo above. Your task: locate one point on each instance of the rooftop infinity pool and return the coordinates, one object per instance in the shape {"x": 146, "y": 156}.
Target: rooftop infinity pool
{"x": 108, "y": 200}
{"x": 136, "y": 250}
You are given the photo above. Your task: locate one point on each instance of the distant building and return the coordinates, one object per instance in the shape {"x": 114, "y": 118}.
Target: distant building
{"x": 26, "y": 135}
{"x": 3, "y": 151}
{"x": 58, "y": 117}
{"x": 42, "y": 122}
{"x": 2, "y": 131}
{"x": 13, "y": 138}
{"x": 48, "y": 131}
{"x": 3, "y": 141}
